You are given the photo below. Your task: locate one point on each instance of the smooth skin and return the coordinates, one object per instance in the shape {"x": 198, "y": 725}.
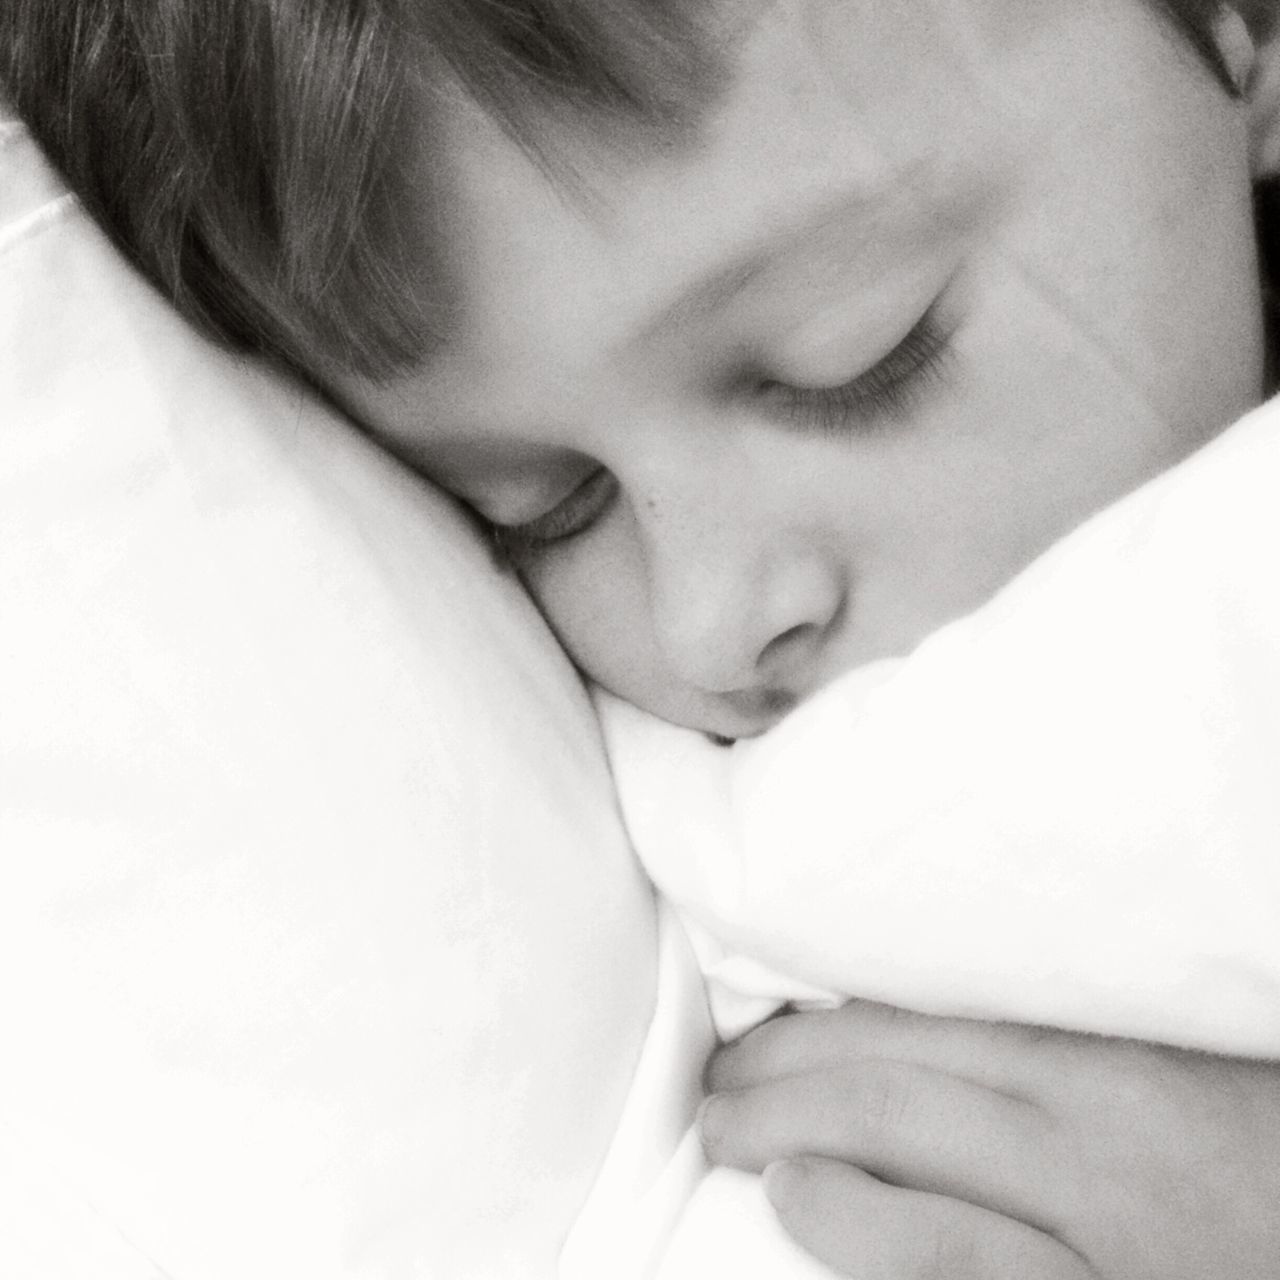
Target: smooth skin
{"x": 939, "y": 1147}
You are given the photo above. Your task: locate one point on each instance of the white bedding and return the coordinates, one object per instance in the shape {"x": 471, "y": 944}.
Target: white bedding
{"x": 322, "y": 953}
{"x": 657, "y": 1212}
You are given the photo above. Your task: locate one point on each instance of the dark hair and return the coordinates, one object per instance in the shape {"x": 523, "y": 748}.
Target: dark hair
{"x": 247, "y": 155}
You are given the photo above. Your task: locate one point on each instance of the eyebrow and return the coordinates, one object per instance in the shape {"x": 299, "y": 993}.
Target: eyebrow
{"x": 725, "y": 283}
{"x": 854, "y": 213}
{"x": 714, "y": 291}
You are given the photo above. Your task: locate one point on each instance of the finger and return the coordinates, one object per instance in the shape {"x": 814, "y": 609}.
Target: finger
{"x": 863, "y": 1228}
{"x": 906, "y": 1125}
{"x": 1012, "y": 1058}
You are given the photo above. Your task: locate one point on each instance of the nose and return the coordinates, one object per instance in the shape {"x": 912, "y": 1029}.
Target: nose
{"x": 744, "y": 610}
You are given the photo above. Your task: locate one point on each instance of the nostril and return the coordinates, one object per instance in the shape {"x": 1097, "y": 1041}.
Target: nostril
{"x": 785, "y": 643}
{"x": 778, "y": 702}
{"x": 759, "y": 706}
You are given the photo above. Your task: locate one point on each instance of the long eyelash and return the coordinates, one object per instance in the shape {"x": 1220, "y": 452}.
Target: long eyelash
{"x": 503, "y": 554}
{"x": 575, "y": 515}
{"x": 513, "y": 545}
{"x": 880, "y": 395}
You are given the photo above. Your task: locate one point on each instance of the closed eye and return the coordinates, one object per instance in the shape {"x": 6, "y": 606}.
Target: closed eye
{"x": 879, "y": 395}
{"x": 571, "y": 516}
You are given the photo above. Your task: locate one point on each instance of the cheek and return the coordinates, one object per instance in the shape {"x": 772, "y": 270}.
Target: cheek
{"x": 592, "y": 593}
{"x": 1133, "y": 238}
{"x": 1062, "y": 415}
{"x": 1039, "y": 428}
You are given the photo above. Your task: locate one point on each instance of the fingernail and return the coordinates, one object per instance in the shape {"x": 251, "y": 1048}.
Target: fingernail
{"x": 709, "y": 1114}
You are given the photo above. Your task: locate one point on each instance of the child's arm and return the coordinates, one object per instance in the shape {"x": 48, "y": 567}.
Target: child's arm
{"x": 983, "y": 1151}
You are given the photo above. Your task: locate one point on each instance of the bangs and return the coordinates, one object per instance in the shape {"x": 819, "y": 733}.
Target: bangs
{"x": 249, "y": 156}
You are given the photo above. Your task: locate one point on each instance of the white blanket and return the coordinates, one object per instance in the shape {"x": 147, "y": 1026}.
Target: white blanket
{"x": 1062, "y": 809}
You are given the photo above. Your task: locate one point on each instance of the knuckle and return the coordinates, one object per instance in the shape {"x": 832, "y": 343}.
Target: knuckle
{"x": 948, "y": 1252}
{"x": 887, "y": 1101}
{"x": 1147, "y": 1084}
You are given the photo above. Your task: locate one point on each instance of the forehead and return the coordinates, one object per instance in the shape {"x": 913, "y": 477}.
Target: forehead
{"x": 842, "y": 123}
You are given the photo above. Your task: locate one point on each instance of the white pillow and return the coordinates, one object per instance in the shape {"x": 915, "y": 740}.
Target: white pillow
{"x": 321, "y": 950}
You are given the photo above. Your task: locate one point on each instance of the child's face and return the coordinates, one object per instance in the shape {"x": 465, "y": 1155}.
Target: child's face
{"x": 934, "y": 280}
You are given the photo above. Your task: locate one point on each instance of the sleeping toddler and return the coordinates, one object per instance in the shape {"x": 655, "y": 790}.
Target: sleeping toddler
{"x": 770, "y": 402}
{"x": 758, "y": 402}
{"x": 844, "y": 381}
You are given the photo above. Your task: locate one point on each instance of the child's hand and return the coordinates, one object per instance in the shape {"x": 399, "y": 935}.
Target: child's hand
{"x": 978, "y": 1151}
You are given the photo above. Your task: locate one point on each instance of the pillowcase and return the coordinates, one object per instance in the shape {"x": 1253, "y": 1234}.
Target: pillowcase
{"x": 322, "y": 953}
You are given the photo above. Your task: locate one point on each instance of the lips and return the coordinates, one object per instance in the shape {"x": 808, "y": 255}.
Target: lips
{"x": 755, "y": 709}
